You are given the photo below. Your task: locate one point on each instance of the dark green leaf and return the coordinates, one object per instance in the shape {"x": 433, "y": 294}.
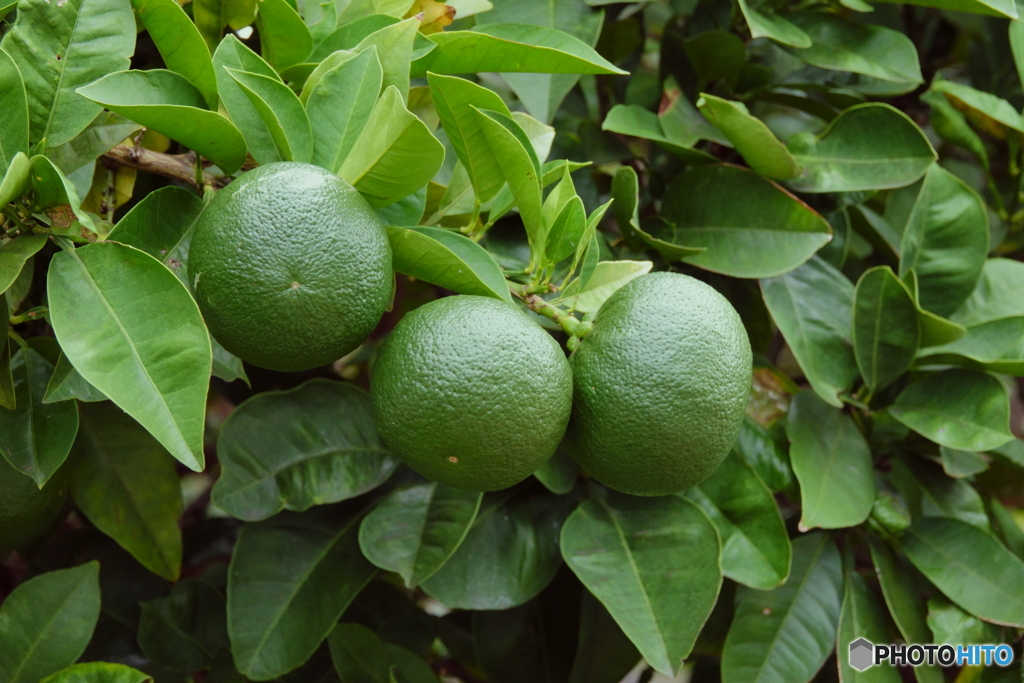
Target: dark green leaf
{"x": 950, "y": 624}
{"x": 66, "y": 384}
{"x": 996, "y": 295}
{"x": 46, "y": 622}
{"x": 952, "y": 126}
{"x": 180, "y": 44}
{"x": 928, "y": 492}
{"x": 291, "y": 450}
{"x": 885, "y": 327}
{"x": 126, "y": 484}
{"x": 935, "y": 330}
{"x": 862, "y": 616}
{"x": 770, "y": 25}
{"x": 559, "y": 473}
{"x": 765, "y": 454}
{"x": 290, "y": 580}
{"x": 750, "y": 136}
{"x": 360, "y": 656}
{"x": 134, "y": 332}
{"x": 37, "y": 437}
{"x": 211, "y": 16}
{"x": 185, "y": 630}
{"x": 339, "y": 105}
{"x": 282, "y": 114}
{"x": 284, "y": 38}
{"x": 415, "y": 530}
{"x": 14, "y": 255}
{"x": 632, "y": 119}
{"x": 231, "y": 54}
{"x": 634, "y": 554}
{"x": 785, "y": 635}
{"x": 603, "y": 654}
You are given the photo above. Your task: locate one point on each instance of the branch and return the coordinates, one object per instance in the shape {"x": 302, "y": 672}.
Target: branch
{"x": 567, "y": 321}
{"x": 177, "y": 166}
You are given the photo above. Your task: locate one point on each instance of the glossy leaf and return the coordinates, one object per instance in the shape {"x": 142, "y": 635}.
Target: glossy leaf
{"x": 755, "y": 547}
{"x": 785, "y": 635}
{"x": 16, "y": 180}
{"x": 448, "y": 260}
{"x": 749, "y": 226}
{"x": 14, "y": 255}
{"x": 566, "y": 231}
{"x": 37, "y": 436}
{"x": 394, "y": 155}
{"x": 867, "y": 147}
{"x": 185, "y": 630}
{"x": 59, "y": 48}
{"x": 960, "y": 464}
{"x": 559, "y": 473}
{"x": 935, "y": 330}
{"x": 180, "y": 44}
{"x": 98, "y": 672}
{"x": 509, "y": 555}
{"x": 284, "y": 38}
{"x": 56, "y": 196}
{"x": 997, "y": 346}
{"x": 970, "y": 566}
{"x": 232, "y": 54}
{"x": 951, "y": 125}
{"x": 291, "y": 450}
{"x": 862, "y": 616}
{"x": 770, "y": 25}
{"x": 762, "y": 451}
{"x": 960, "y": 409}
{"x": 832, "y": 462}
{"x": 813, "y": 307}
{"x": 990, "y": 113}
{"x": 885, "y": 328}
{"x": 46, "y": 622}
{"x": 511, "y": 48}
{"x": 134, "y": 332}
{"x": 995, "y": 295}
{"x": 608, "y": 277}
{"x": 14, "y": 131}
{"x": 127, "y": 486}
{"x": 339, "y": 105}
{"x": 169, "y": 104}
{"x": 415, "y": 530}
{"x": 750, "y": 136}
{"x": 653, "y": 563}
{"x": 104, "y": 133}
{"x": 282, "y": 114}
{"x": 394, "y": 46}
{"x": 291, "y": 578}
{"x": 928, "y": 492}
{"x": 632, "y": 119}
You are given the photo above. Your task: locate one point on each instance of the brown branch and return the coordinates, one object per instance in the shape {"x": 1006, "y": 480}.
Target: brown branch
{"x": 177, "y": 166}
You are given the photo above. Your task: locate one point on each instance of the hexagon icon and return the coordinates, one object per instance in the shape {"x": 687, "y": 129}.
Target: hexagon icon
{"x": 861, "y": 654}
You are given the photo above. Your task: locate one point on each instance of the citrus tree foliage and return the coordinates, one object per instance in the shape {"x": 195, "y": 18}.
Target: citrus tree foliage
{"x": 848, "y": 174}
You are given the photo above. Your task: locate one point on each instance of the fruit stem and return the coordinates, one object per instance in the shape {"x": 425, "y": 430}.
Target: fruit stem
{"x": 567, "y": 321}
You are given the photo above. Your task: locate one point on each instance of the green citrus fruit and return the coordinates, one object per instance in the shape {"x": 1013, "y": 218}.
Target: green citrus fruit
{"x": 660, "y": 386}
{"x": 25, "y": 510}
{"x": 469, "y": 392}
{"x": 291, "y": 267}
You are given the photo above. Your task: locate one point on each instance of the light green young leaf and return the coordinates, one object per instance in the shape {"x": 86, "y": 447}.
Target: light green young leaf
{"x": 282, "y": 114}
{"x": 415, "y": 530}
{"x": 234, "y": 55}
{"x": 167, "y": 103}
{"x": 394, "y": 50}
{"x": 284, "y": 38}
{"x": 46, "y": 622}
{"x": 14, "y": 131}
{"x": 180, "y": 44}
{"x": 291, "y": 450}
{"x": 98, "y": 672}
{"x": 346, "y": 35}
{"x": 566, "y": 231}
{"x": 395, "y": 154}
{"x": 339, "y": 105}
{"x": 56, "y": 196}
{"x": 126, "y": 484}
{"x": 638, "y": 575}
{"x": 867, "y": 147}
{"x": 607, "y": 278}
{"x": 17, "y": 179}
{"x": 91, "y": 37}
{"x": 447, "y": 259}
{"x": 885, "y": 327}
{"x": 131, "y": 328}
{"x": 770, "y": 25}
{"x": 832, "y": 462}
{"x": 750, "y": 136}
{"x": 541, "y": 136}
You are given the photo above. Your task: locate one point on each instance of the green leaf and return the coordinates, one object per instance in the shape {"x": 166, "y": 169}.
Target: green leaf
{"x": 282, "y": 114}
{"x": 862, "y": 616}
{"x": 37, "y": 437}
{"x": 559, "y": 473}
{"x": 211, "y": 16}
{"x": 750, "y": 226}
{"x": 345, "y": 35}
{"x": 180, "y": 44}
{"x": 447, "y": 259}
{"x": 14, "y": 255}
{"x": 996, "y": 346}
{"x": 765, "y": 25}
{"x": 394, "y": 49}
{"x": 566, "y": 231}
{"x": 511, "y": 48}
{"x": 840, "y": 44}
{"x": 944, "y": 225}
{"x": 960, "y": 409}
{"x": 14, "y": 103}
{"x": 415, "y": 530}
{"x": 17, "y": 179}
{"x": 928, "y": 492}
{"x": 755, "y": 142}
{"x": 59, "y": 48}
{"x": 935, "y": 329}
{"x": 989, "y": 113}
{"x": 185, "y": 630}
{"x": 960, "y": 464}
{"x": 951, "y": 125}
{"x": 832, "y": 462}
{"x": 395, "y": 154}
{"x": 359, "y": 655}
{"x": 312, "y": 561}
{"x": 885, "y": 328}
{"x": 8, "y": 399}
{"x": 996, "y": 295}
{"x": 53, "y": 190}
{"x": 762, "y": 451}
{"x": 603, "y": 654}
{"x": 339, "y": 105}
{"x": 133, "y": 331}
{"x": 970, "y": 566}
{"x": 98, "y": 672}
{"x": 867, "y": 147}
{"x": 607, "y": 278}
{"x": 169, "y": 104}
{"x": 509, "y": 555}
{"x": 231, "y": 54}
{"x": 105, "y": 131}
{"x": 950, "y": 624}
{"x": 785, "y": 635}
{"x": 455, "y": 100}
{"x": 284, "y": 38}
{"x": 632, "y": 119}
{"x": 126, "y": 484}
{"x": 755, "y": 547}
{"x": 291, "y": 450}
{"x": 161, "y": 225}
{"x": 633, "y": 554}
{"x": 46, "y": 622}
{"x": 813, "y": 307}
